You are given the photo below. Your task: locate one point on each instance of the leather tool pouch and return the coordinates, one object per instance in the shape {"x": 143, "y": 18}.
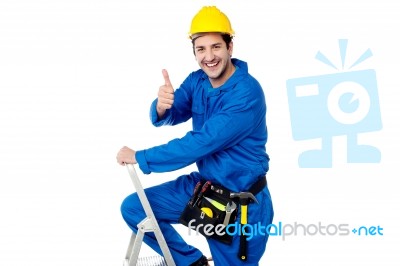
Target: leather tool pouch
{"x": 209, "y": 226}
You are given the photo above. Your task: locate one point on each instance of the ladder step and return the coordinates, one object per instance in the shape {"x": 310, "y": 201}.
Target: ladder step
{"x": 151, "y": 261}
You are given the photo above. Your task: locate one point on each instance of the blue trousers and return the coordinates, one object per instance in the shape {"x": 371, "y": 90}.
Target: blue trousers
{"x": 168, "y": 201}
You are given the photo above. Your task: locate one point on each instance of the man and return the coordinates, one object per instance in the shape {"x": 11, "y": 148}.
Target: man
{"x": 227, "y": 108}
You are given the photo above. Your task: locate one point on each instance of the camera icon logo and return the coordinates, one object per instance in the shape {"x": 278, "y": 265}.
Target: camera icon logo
{"x": 325, "y": 106}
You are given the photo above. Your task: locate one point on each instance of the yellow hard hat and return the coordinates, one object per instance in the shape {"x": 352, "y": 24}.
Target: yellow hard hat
{"x": 210, "y": 19}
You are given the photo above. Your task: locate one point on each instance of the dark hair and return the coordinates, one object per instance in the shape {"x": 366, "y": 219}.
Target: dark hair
{"x": 226, "y": 37}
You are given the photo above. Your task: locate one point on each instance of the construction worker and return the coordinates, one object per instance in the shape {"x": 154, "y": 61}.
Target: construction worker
{"x": 228, "y": 111}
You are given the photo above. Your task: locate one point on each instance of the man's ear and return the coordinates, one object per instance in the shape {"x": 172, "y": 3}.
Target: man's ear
{"x": 230, "y": 49}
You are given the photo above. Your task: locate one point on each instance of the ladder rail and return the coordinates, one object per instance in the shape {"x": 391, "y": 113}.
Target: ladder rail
{"x": 149, "y": 224}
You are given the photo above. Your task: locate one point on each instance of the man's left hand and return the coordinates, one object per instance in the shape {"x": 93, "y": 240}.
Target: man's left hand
{"x": 126, "y": 156}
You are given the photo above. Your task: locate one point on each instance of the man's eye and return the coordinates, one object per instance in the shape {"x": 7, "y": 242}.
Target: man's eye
{"x": 199, "y": 50}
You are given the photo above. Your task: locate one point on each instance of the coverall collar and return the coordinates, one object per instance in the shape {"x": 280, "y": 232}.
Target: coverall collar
{"x": 240, "y": 72}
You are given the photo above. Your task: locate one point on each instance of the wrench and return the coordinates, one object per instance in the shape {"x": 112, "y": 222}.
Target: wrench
{"x": 230, "y": 207}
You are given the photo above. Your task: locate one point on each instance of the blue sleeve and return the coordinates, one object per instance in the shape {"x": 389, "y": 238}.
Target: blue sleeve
{"x": 225, "y": 129}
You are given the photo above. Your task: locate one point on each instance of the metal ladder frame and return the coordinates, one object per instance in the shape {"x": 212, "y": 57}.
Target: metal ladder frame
{"x": 148, "y": 224}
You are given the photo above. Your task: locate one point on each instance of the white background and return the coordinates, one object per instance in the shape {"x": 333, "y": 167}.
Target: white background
{"x": 76, "y": 81}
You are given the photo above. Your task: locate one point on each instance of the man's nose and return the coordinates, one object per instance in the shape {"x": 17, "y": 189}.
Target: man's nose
{"x": 209, "y": 55}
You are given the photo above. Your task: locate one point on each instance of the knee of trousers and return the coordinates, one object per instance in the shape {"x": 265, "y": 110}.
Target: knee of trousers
{"x": 132, "y": 210}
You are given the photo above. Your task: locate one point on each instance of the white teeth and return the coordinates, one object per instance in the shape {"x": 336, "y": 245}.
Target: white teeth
{"x": 211, "y": 65}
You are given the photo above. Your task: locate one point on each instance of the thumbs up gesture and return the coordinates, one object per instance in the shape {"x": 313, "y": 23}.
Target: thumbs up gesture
{"x": 165, "y": 95}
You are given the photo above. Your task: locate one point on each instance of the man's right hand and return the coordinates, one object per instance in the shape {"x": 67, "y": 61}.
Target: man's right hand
{"x": 165, "y": 96}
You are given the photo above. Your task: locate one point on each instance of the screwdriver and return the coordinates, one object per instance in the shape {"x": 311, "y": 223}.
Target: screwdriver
{"x": 203, "y": 189}
{"x": 195, "y": 191}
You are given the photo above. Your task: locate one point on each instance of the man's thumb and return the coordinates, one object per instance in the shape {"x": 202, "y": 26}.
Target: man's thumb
{"x": 166, "y": 77}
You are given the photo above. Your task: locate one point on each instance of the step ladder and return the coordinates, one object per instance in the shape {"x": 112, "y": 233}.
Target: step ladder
{"x": 148, "y": 224}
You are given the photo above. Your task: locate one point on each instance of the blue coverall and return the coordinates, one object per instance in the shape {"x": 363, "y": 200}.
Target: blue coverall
{"x": 228, "y": 145}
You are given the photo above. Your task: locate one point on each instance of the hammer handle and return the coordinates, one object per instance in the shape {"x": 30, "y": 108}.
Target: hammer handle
{"x": 243, "y": 216}
{"x": 243, "y": 245}
{"x": 244, "y": 232}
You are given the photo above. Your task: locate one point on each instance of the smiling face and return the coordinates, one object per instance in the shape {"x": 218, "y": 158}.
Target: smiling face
{"x": 214, "y": 57}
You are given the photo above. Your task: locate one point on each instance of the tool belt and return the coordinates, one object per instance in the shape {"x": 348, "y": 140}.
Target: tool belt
{"x": 211, "y": 209}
